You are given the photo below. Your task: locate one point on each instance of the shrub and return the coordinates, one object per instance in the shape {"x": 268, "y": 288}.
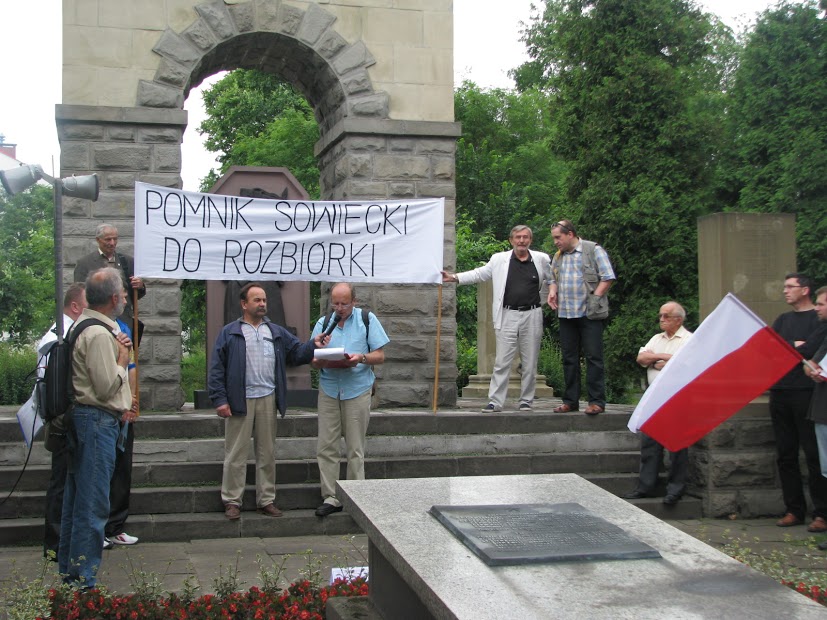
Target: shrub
{"x": 17, "y": 367}
{"x": 193, "y": 372}
{"x": 466, "y": 361}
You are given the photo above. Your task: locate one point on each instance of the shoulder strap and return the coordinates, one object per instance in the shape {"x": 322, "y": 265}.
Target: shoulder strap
{"x": 366, "y": 320}
{"x": 77, "y": 328}
{"x": 74, "y": 332}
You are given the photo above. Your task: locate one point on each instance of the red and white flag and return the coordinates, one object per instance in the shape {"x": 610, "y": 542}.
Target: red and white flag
{"x": 732, "y": 358}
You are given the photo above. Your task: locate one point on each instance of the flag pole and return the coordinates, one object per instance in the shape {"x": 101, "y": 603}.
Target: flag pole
{"x": 438, "y": 334}
{"x": 135, "y": 348}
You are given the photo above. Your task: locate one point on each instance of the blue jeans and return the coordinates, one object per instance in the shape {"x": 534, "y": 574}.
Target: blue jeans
{"x": 86, "y": 494}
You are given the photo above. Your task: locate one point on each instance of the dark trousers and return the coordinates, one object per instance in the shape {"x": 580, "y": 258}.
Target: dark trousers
{"x": 119, "y": 490}
{"x": 585, "y": 334}
{"x": 788, "y": 409}
{"x": 651, "y": 457}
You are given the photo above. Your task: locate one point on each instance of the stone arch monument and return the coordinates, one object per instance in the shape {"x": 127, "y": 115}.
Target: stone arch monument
{"x": 379, "y": 77}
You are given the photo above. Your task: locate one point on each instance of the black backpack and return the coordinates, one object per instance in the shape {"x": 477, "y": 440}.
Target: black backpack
{"x": 55, "y": 392}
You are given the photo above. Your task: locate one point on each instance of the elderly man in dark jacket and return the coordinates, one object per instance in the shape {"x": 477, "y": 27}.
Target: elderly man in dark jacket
{"x": 247, "y": 384}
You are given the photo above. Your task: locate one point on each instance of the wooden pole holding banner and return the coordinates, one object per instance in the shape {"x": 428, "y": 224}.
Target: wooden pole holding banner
{"x": 438, "y": 334}
{"x": 135, "y": 348}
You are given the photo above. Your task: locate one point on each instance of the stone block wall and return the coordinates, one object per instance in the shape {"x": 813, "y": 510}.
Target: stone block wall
{"x": 378, "y": 75}
{"x": 733, "y": 468}
{"x": 125, "y": 145}
{"x": 385, "y": 160}
{"x": 405, "y": 48}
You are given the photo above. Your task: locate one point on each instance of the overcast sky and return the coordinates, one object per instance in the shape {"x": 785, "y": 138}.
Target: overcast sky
{"x": 486, "y": 47}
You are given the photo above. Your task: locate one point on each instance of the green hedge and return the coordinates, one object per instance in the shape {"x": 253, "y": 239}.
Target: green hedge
{"x": 16, "y": 364}
{"x": 193, "y": 373}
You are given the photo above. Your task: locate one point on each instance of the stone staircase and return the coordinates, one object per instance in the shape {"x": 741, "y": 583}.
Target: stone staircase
{"x": 177, "y": 466}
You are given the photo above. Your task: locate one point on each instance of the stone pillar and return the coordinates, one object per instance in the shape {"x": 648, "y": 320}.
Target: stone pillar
{"x": 125, "y": 145}
{"x": 487, "y": 351}
{"x": 367, "y": 159}
{"x": 746, "y": 254}
{"x": 733, "y": 468}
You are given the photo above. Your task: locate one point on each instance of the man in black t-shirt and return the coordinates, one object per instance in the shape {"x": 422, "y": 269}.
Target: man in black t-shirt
{"x": 789, "y": 403}
{"x": 519, "y": 279}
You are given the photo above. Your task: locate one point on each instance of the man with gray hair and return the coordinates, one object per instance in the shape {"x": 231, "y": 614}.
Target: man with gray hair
{"x": 519, "y": 277}
{"x": 102, "y": 398}
{"x": 106, "y": 255}
{"x": 653, "y": 357}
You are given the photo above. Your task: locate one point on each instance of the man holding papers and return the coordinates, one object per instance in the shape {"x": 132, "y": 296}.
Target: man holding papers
{"x": 247, "y": 384}
{"x": 816, "y": 369}
{"x": 345, "y": 387}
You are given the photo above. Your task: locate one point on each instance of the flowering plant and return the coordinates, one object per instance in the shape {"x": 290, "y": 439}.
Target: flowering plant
{"x": 302, "y": 600}
{"x": 818, "y": 594}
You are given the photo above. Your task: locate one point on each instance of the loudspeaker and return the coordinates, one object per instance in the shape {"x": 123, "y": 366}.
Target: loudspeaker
{"x": 15, "y": 180}
{"x": 86, "y": 187}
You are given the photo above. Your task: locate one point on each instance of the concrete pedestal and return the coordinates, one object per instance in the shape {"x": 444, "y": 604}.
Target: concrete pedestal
{"x": 418, "y": 569}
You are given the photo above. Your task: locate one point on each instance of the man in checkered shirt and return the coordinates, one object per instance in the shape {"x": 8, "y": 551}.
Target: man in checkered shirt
{"x": 581, "y": 275}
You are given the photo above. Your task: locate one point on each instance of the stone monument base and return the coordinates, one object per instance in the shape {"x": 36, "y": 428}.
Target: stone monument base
{"x": 420, "y": 570}
{"x": 478, "y": 387}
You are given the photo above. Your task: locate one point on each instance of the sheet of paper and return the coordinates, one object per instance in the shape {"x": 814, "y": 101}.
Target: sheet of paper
{"x": 334, "y": 353}
{"x": 823, "y": 364}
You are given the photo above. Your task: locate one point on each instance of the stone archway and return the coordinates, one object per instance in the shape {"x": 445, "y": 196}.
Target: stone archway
{"x": 379, "y": 79}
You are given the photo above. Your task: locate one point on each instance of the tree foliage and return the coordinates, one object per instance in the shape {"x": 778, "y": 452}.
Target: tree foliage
{"x": 27, "y": 267}
{"x": 507, "y": 173}
{"x": 636, "y": 105}
{"x": 779, "y": 125}
{"x": 257, "y": 119}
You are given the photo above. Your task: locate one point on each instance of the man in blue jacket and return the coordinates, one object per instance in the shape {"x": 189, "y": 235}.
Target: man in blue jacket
{"x": 247, "y": 384}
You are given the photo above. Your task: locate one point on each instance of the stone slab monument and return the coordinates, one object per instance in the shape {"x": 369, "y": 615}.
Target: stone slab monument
{"x": 420, "y": 570}
{"x": 379, "y": 77}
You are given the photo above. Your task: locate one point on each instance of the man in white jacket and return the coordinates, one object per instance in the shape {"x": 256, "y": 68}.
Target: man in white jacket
{"x": 519, "y": 278}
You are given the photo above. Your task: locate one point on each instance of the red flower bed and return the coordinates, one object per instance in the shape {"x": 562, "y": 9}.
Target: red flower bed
{"x": 819, "y": 595}
{"x": 302, "y": 600}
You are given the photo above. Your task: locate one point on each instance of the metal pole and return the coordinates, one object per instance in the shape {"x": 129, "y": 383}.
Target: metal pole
{"x": 58, "y": 192}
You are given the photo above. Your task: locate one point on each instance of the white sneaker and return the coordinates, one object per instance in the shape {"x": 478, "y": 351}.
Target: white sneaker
{"x": 107, "y": 544}
{"x": 124, "y": 539}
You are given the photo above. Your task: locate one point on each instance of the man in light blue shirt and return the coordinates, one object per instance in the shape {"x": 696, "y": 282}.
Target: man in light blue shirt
{"x": 345, "y": 388}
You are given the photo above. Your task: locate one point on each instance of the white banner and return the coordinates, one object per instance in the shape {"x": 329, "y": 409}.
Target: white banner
{"x": 192, "y": 236}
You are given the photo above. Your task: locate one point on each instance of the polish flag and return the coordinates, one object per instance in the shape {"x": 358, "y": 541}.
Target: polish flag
{"x": 731, "y": 358}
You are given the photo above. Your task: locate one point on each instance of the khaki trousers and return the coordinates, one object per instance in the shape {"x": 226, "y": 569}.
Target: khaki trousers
{"x": 520, "y": 332}
{"x": 341, "y": 418}
{"x": 260, "y": 424}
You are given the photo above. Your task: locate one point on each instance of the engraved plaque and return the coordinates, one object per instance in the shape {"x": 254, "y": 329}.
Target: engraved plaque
{"x": 511, "y": 534}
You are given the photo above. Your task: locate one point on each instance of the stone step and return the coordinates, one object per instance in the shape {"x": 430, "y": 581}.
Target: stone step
{"x": 298, "y": 487}
{"x": 378, "y": 446}
{"x": 36, "y": 477}
{"x": 178, "y": 463}
{"x": 205, "y": 424}
{"x": 174, "y": 527}
{"x": 164, "y": 519}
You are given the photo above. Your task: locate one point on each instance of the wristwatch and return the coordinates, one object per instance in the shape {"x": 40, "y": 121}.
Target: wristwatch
{"x": 364, "y": 358}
